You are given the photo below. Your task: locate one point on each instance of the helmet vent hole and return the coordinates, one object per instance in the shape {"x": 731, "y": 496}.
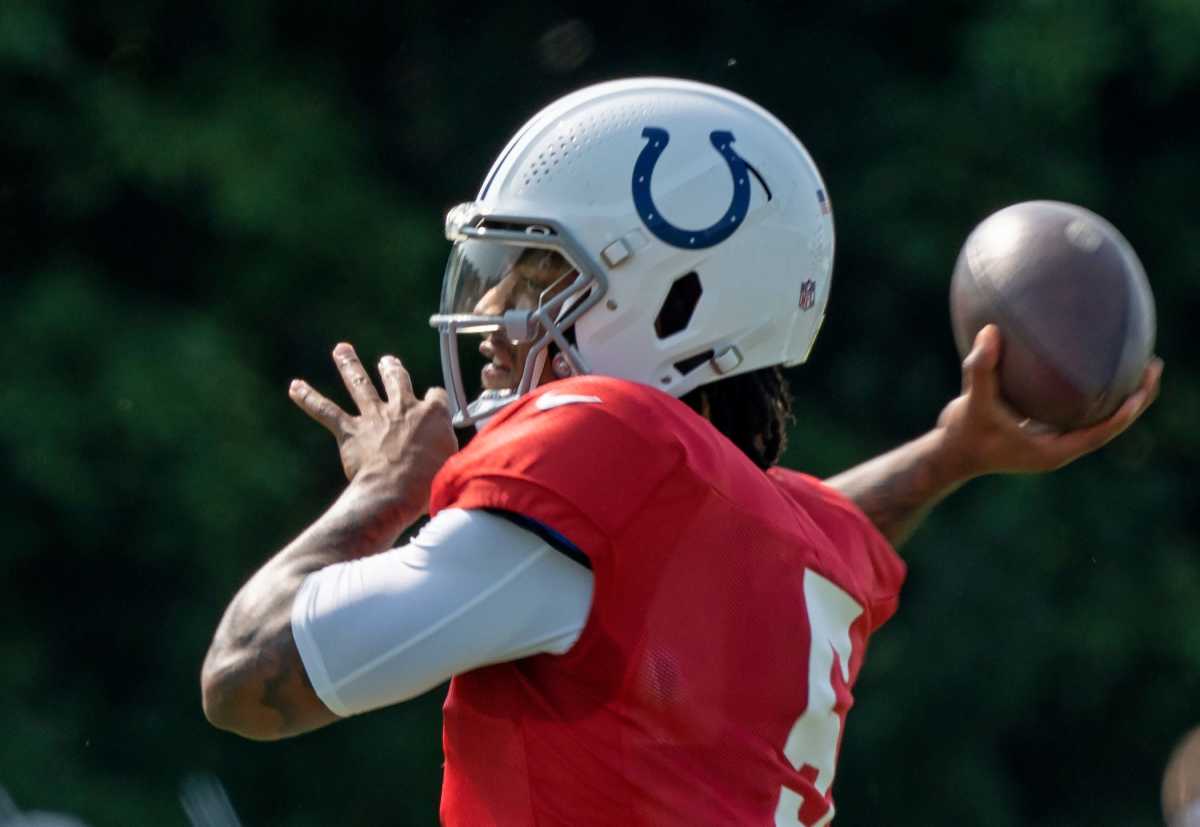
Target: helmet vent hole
{"x": 686, "y": 366}
{"x": 678, "y": 306}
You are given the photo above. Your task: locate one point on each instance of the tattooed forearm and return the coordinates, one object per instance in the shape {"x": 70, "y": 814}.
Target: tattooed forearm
{"x": 898, "y": 489}
{"x": 253, "y": 679}
{"x": 282, "y": 675}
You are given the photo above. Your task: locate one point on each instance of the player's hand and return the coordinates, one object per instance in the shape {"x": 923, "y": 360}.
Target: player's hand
{"x": 988, "y": 436}
{"x": 400, "y": 436}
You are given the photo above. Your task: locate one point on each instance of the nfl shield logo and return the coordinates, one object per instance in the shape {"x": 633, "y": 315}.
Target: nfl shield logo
{"x": 808, "y": 294}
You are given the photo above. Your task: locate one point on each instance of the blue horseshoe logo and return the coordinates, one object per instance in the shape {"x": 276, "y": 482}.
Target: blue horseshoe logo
{"x": 643, "y": 170}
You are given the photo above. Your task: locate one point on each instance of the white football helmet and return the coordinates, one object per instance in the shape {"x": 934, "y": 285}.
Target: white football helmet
{"x": 657, "y": 193}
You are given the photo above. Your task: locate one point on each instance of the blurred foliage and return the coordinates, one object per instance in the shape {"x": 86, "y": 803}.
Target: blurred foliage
{"x": 199, "y": 200}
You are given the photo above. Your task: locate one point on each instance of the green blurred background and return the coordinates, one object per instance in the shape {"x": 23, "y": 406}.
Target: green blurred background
{"x": 199, "y": 199}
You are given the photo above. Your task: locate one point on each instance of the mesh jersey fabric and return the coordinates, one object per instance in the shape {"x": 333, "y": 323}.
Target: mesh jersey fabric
{"x": 687, "y": 696}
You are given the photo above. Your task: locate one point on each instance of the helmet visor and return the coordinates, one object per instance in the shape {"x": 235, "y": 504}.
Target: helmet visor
{"x": 484, "y": 278}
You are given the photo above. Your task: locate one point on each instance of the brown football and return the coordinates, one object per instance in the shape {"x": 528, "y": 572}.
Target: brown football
{"x": 1072, "y": 303}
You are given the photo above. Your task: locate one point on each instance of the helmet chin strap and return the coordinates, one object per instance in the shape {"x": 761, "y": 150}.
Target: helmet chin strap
{"x": 488, "y": 405}
{"x": 539, "y": 365}
{"x": 561, "y": 364}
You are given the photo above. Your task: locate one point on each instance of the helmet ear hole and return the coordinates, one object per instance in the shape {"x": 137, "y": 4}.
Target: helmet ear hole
{"x": 561, "y": 367}
{"x": 679, "y": 305}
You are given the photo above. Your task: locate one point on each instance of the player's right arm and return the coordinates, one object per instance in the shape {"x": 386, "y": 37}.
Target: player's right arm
{"x": 472, "y": 588}
{"x": 977, "y": 434}
{"x": 253, "y": 681}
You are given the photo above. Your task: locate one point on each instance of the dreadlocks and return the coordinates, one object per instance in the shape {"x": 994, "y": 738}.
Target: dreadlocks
{"x": 751, "y": 409}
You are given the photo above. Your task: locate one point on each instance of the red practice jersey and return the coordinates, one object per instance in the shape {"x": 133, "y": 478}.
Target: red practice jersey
{"x": 729, "y": 621}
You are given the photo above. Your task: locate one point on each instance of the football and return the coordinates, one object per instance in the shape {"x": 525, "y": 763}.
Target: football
{"x": 1072, "y": 303}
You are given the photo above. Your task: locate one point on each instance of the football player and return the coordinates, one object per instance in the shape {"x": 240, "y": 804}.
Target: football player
{"x": 645, "y": 619}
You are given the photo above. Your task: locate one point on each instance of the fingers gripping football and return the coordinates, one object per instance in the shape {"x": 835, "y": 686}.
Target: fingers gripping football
{"x": 398, "y": 434}
{"x": 988, "y": 436}
{"x": 980, "y": 384}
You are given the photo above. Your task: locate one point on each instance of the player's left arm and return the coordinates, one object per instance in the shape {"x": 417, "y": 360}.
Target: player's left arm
{"x": 976, "y": 434}
{"x": 253, "y": 680}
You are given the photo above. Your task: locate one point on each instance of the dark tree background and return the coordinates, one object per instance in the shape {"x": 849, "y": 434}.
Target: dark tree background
{"x": 197, "y": 200}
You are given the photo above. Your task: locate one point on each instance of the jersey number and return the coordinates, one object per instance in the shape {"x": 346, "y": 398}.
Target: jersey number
{"x": 813, "y": 740}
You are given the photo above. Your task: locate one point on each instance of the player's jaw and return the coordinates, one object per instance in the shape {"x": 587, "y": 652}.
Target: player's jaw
{"x": 506, "y": 363}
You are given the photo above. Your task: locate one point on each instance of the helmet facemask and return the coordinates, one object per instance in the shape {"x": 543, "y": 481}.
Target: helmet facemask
{"x": 520, "y": 284}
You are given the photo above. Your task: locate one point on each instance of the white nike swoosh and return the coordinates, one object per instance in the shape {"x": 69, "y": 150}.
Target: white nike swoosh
{"x": 553, "y": 400}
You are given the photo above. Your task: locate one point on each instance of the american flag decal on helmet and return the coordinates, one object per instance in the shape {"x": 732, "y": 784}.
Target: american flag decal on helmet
{"x": 823, "y": 200}
{"x": 808, "y": 294}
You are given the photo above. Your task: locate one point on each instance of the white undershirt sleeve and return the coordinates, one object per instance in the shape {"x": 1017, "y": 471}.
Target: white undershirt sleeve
{"x": 470, "y": 589}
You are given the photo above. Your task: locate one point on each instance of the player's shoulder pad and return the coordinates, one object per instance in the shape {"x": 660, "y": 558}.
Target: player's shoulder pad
{"x": 596, "y": 444}
{"x": 877, "y": 567}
